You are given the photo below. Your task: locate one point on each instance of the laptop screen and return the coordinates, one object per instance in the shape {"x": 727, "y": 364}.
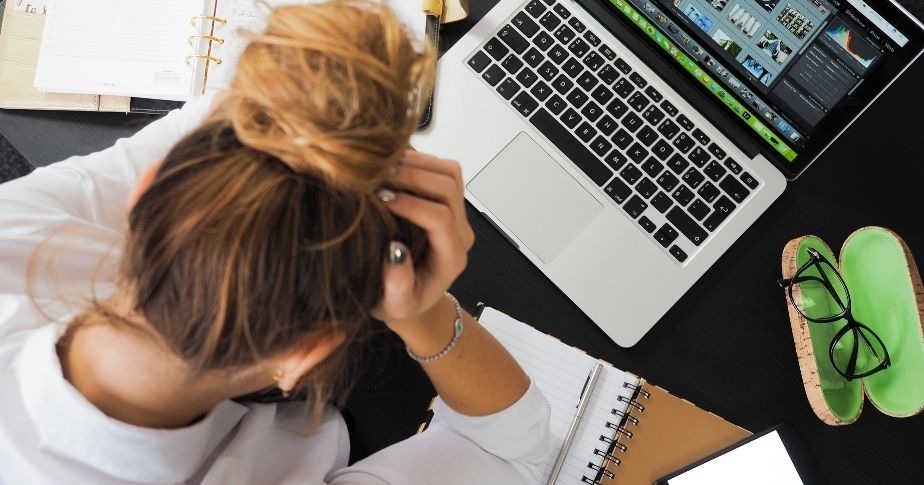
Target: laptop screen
{"x": 794, "y": 72}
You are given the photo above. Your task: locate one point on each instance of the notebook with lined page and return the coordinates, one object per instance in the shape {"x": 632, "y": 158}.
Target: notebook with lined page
{"x": 631, "y": 432}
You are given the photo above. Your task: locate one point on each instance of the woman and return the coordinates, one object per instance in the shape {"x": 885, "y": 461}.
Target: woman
{"x": 255, "y": 251}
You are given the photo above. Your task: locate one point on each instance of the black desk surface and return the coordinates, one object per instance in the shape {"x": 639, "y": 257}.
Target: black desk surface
{"x": 726, "y": 345}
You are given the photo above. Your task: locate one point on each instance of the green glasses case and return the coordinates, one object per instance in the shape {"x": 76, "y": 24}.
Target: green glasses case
{"x": 887, "y": 296}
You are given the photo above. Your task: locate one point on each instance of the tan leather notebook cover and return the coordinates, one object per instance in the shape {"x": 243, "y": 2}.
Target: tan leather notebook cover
{"x": 667, "y": 433}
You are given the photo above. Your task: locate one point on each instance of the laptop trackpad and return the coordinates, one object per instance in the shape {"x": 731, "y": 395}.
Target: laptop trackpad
{"x": 533, "y": 196}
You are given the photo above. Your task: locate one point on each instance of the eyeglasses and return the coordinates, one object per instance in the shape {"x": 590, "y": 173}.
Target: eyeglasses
{"x": 818, "y": 292}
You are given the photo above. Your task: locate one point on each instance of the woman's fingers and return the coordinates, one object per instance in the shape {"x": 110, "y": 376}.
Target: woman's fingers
{"x": 447, "y": 247}
{"x": 425, "y": 161}
{"x": 399, "y": 299}
{"x": 432, "y": 185}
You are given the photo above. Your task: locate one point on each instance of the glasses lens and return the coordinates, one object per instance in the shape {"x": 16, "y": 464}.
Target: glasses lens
{"x": 858, "y": 352}
{"x": 819, "y": 293}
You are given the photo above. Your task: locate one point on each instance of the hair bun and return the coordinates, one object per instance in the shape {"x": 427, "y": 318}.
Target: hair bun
{"x": 331, "y": 89}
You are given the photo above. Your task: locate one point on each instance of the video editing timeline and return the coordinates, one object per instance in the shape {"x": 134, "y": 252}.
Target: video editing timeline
{"x": 798, "y": 58}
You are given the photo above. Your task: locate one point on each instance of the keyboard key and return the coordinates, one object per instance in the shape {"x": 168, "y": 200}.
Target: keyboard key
{"x": 669, "y": 108}
{"x": 622, "y": 138}
{"x": 638, "y": 101}
{"x": 527, "y": 77}
{"x": 479, "y": 61}
{"x": 535, "y": 8}
{"x": 698, "y": 209}
{"x": 525, "y": 104}
{"x": 684, "y": 142}
{"x": 571, "y": 147}
{"x": 513, "y": 39}
{"x": 573, "y": 68}
{"x": 496, "y": 49}
{"x": 618, "y": 190}
{"x": 615, "y": 159}
{"x": 622, "y": 65}
{"x": 577, "y": 25}
{"x": 646, "y": 224}
{"x": 685, "y": 122}
{"x": 732, "y": 165}
{"x": 668, "y": 129}
{"x": 617, "y": 108}
{"x": 608, "y": 74}
{"x": 661, "y": 202}
{"x": 700, "y": 136}
{"x": 556, "y": 104}
{"x": 548, "y": 71}
{"x": 683, "y": 195}
{"x": 623, "y": 87}
{"x": 714, "y": 171}
{"x": 507, "y": 88}
{"x": 607, "y": 52}
{"x": 591, "y": 38}
{"x": 678, "y": 164}
{"x": 716, "y": 151}
{"x": 686, "y": 225}
{"x": 558, "y": 54}
{"x": 693, "y": 178}
{"x": 564, "y": 34}
{"x": 732, "y": 187}
{"x": 708, "y": 192}
{"x": 635, "y": 206}
{"x": 533, "y": 57}
{"x": 592, "y": 111}
{"x": 699, "y": 157}
{"x": 662, "y": 150}
{"x": 571, "y": 118}
{"x": 593, "y": 61}
{"x": 525, "y": 24}
{"x": 630, "y": 173}
{"x": 577, "y": 98}
{"x": 493, "y": 75}
{"x": 562, "y": 84}
{"x": 647, "y": 136}
{"x": 653, "y": 115}
{"x": 678, "y": 253}
{"x": 632, "y": 122}
{"x": 561, "y": 11}
{"x": 720, "y": 211}
{"x": 749, "y": 180}
{"x": 550, "y": 21}
{"x": 541, "y": 91}
{"x": 654, "y": 94}
{"x": 512, "y": 64}
{"x": 606, "y": 125}
{"x": 638, "y": 80}
{"x": 601, "y": 146}
{"x": 637, "y": 152}
{"x": 667, "y": 181}
{"x": 652, "y": 167}
{"x": 579, "y": 47}
{"x": 586, "y": 132}
{"x": 646, "y": 188}
{"x": 543, "y": 41}
{"x": 666, "y": 235}
{"x": 601, "y": 95}
{"x": 587, "y": 81}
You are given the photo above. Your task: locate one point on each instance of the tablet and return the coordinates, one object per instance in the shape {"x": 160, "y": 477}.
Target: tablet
{"x": 774, "y": 457}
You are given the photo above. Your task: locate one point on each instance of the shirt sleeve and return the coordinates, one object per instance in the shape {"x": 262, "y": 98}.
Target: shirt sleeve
{"x": 508, "y": 447}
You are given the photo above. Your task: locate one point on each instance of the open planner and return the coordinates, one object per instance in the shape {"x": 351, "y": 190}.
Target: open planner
{"x": 631, "y": 432}
{"x": 161, "y": 49}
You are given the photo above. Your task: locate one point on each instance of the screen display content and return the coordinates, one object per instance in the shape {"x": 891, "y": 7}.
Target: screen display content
{"x": 794, "y": 71}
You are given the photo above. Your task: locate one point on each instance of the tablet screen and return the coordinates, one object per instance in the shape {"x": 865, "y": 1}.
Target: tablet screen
{"x": 763, "y": 461}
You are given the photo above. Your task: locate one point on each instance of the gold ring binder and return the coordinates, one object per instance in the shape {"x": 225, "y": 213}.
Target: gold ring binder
{"x": 208, "y": 58}
{"x": 213, "y": 18}
{"x": 211, "y": 38}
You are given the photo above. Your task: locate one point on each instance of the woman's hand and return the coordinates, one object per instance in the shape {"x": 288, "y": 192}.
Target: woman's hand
{"x": 430, "y": 195}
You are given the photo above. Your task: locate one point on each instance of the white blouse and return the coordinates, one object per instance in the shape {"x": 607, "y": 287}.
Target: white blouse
{"x": 49, "y": 433}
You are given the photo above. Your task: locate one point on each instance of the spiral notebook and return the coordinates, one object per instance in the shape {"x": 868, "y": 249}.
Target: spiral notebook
{"x": 631, "y": 432}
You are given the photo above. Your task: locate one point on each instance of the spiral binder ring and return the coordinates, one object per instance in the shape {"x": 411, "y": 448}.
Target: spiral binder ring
{"x": 608, "y": 457}
{"x": 589, "y": 481}
{"x": 625, "y": 416}
{"x": 213, "y": 18}
{"x": 208, "y": 58}
{"x": 601, "y": 469}
{"x": 632, "y": 402}
{"x": 210, "y": 38}
{"x": 637, "y": 389}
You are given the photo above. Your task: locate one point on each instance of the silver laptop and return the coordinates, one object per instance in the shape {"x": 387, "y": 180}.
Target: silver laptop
{"x": 624, "y": 145}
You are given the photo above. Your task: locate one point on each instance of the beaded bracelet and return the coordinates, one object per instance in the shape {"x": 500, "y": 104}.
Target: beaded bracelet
{"x": 458, "y": 326}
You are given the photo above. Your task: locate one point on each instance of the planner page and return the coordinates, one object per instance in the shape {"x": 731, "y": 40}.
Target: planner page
{"x": 133, "y": 48}
{"x": 250, "y": 16}
{"x": 560, "y": 372}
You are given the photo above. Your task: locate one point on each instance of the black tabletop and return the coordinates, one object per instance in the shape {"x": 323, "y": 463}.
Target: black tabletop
{"x": 726, "y": 345}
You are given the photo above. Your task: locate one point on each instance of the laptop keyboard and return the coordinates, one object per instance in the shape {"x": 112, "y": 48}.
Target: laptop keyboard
{"x": 637, "y": 147}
